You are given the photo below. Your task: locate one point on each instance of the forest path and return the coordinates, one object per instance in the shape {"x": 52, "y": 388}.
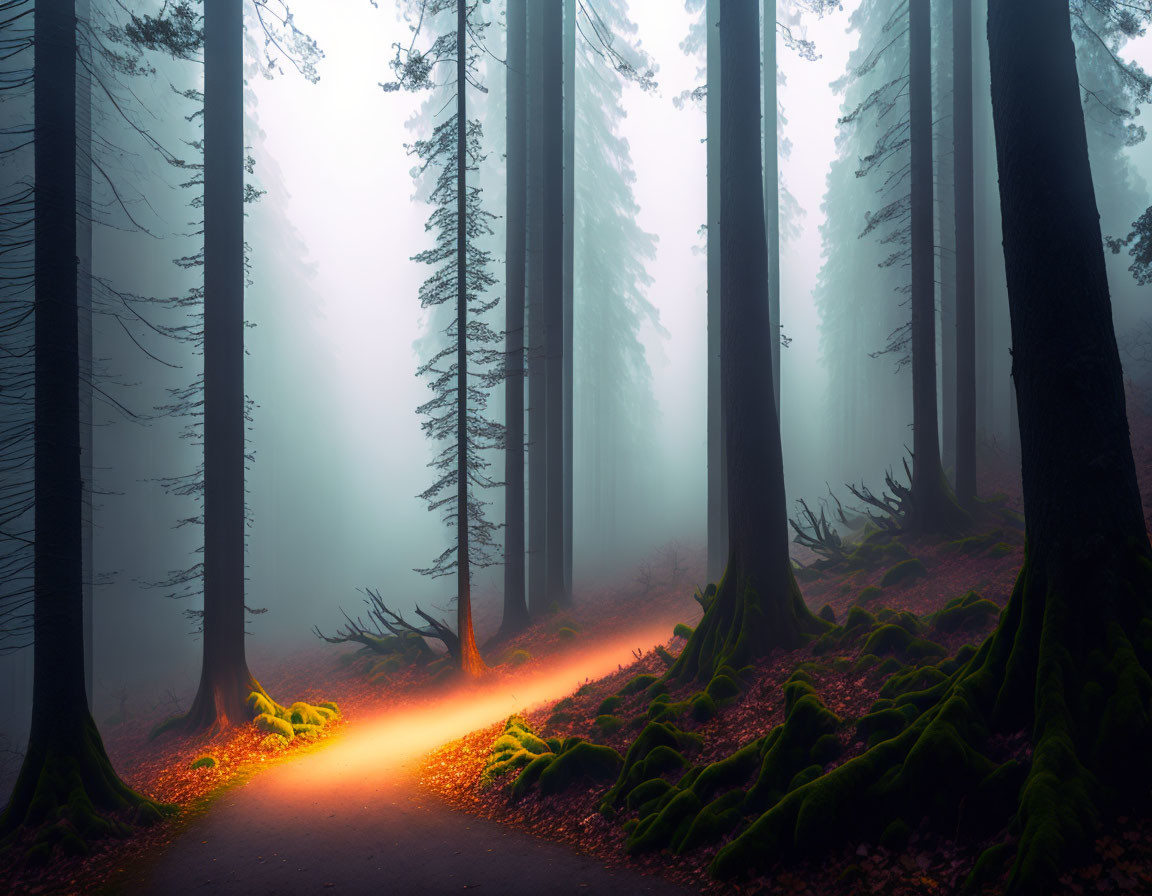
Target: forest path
{"x": 350, "y": 816}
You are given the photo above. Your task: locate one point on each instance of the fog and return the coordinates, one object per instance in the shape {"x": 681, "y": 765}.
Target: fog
{"x": 338, "y": 455}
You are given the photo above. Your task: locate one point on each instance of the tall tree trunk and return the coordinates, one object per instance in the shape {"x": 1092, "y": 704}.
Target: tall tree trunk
{"x": 772, "y": 189}
{"x": 470, "y": 663}
{"x": 717, "y": 471}
{"x": 965, "y": 253}
{"x": 757, "y": 606}
{"x": 84, "y": 306}
{"x": 933, "y": 506}
{"x": 65, "y": 773}
{"x": 552, "y": 264}
{"x": 569, "y": 271}
{"x": 225, "y": 681}
{"x": 515, "y": 604}
{"x": 537, "y": 354}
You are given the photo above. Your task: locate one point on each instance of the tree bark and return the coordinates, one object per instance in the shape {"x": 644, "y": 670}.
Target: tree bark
{"x": 470, "y": 663}
{"x": 225, "y": 681}
{"x": 772, "y": 189}
{"x": 537, "y": 352}
{"x": 965, "y": 254}
{"x": 757, "y": 606}
{"x": 515, "y": 604}
{"x": 569, "y": 271}
{"x": 934, "y": 509}
{"x": 84, "y": 305}
{"x": 65, "y": 772}
{"x": 552, "y": 264}
{"x": 717, "y": 471}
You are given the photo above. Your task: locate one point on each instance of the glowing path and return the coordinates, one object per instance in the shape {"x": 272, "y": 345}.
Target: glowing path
{"x": 349, "y": 817}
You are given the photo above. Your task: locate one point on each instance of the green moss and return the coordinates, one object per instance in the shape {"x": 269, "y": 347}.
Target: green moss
{"x": 668, "y": 827}
{"x": 517, "y": 657}
{"x": 895, "y": 836}
{"x": 866, "y": 662}
{"x": 869, "y": 594}
{"x": 713, "y": 821}
{"x": 527, "y": 778}
{"x": 584, "y": 762}
{"x": 563, "y": 717}
{"x": 975, "y": 544}
{"x": 965, "y": 613}
{"x": 307, "y": 731}
{"x": 827, "y": 614}
{"x": 570, "y": 742}
{"x": 567, "y": 633}
{"x": 638, "y": 684}
{"x": 609, "y": 706}
{"x": 657, "y": 689}
{"x": 271, "y": 724}
{"x": 204, "y": 762}
{"x": 647, "y": 792}
{"x": 722, "y": 688}
{"x": 858, "y": 617}
{"x": 661, "y": 761}
{"x": 804, "y": 776}
{"x": 259, "y": 704}
{"x": 702, "y": 707}
{"x": 513, "y": 749}
{"x": 788, "y": 750}
{"x": 305, "y": 714}
{"x": 274, "y": 743}
{"x": 682, "y": 631}
{"x": 608, "y": 723}
{"x": 904, "y": 571}
{"x": 655, "y": 734}
{"x": 896, "y": 641}
{"x": 554, "y": 744}
{"x": 826, "y": 749}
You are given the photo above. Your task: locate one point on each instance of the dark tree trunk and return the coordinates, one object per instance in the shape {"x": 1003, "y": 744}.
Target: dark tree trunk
{"x": 66, "y": 773}
{"x": 84, "y": 305}
{"x": 552, "y": 264}
{"x": 537, "y": 353}
{"x": 965, "y": 254}
{"x": 569, "y": 271}
{"x": 717, "y": 471}
{"x": 470, "y": 663}
{"x": 225, "y": 681}
{"x": 1069, "y": 661}
{"x": 933, "y": 508}
{"x": 515, "y": 604}
{"x": 772, "y": 189}
{"x": 757, "y": 606}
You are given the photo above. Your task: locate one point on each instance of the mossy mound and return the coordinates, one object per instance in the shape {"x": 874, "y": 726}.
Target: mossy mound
{"x": 896, "y": 641}
{"x": 903, "y": 572}
{"x": 274, "y": 743}
{"x": 514, "y": 748}
{"x": 875, "y": 549}
{"x": 204, "y": 762}
{"x": 967, "y": 612}
{"x": 682, "y": 631}
{"x": 638, "y": 684}
{"x": 609, "y": 705}
{"x": 632, "y": 772}
{"x": 707, "y": 802}
{"x": 271, "y": 724}
{"x": 609, "y": 723}
{"x": 827, "y": 614}
{"x": 583, "y": 762}
{"x": 868, "y": 594}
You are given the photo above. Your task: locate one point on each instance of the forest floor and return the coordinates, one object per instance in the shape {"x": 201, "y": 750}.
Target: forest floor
{"x": 988, "y": 564}
{"x": 419, "y": 746}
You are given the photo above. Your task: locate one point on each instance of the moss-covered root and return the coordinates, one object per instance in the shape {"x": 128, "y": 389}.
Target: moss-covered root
{"x": 1075, "y": 674}
{"x": 741, "y": 624}
{"x": 69, "y": 793}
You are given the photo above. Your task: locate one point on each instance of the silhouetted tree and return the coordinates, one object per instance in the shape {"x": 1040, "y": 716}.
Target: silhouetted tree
{"x": 66, "y": 779}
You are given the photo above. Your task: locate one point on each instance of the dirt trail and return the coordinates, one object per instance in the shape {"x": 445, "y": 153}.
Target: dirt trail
{"x": 350, "y": 817}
